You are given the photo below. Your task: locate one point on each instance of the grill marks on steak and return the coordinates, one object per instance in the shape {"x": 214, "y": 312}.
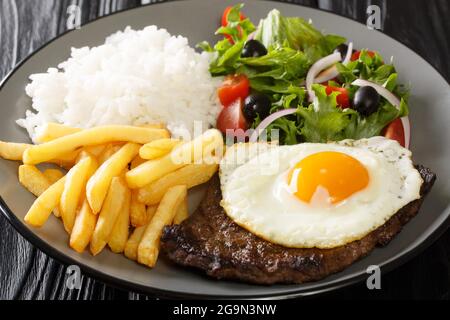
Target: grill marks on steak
{"x": 209, "y": 240}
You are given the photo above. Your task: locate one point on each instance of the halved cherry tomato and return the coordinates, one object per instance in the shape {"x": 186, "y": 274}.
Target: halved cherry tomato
{"x": 232, "y": 118}
{"x": 233, "y": 87}
{"x": 225, "y": 21}
{"x": 395, "y": 131}
{"x": 357, "y": 54}
{"x": 342, "y": 99}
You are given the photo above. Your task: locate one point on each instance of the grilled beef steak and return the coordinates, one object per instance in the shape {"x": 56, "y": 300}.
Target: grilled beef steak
{"x": 209, "y": 240}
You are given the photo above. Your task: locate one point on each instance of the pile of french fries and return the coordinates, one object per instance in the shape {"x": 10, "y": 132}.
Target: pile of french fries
{"x": 119, "y": 185}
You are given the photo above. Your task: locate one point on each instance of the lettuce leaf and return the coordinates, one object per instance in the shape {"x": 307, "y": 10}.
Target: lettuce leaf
{"x": 373, "y": 69}
{"x": 236, "y": 28}
{"x": 324, "y": 121}
{"x": 280, "y": 63}
{"x": 295, "y": 33}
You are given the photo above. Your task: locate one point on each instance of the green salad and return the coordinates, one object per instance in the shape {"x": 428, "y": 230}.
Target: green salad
{"x": 285, "y": 74}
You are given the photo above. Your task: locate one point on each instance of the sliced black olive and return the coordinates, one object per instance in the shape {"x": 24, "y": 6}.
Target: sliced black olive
{"x": 253, "y": 48}
{"x": 366, "y": 101}
{"x": 342, "y": 49}
{"x": 257, "y": 104}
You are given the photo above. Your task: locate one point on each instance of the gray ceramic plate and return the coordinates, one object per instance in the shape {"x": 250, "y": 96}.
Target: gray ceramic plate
{"x": 197, "y": 19}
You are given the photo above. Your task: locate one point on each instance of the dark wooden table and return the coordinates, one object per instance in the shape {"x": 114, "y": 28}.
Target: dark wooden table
{"x": 25, "y": 25}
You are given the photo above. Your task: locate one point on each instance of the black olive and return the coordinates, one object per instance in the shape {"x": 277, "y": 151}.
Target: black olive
{"x": 253, "y": 48}
{"x": 342, "y": 49}
{"x": 257, "y": 104}
{"x": 366, "y": 101}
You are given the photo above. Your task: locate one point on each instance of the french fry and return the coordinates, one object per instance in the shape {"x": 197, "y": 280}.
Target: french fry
{"x": 43, "y": 206}
{"x": 96, "y": 151}
{"x": 131, "y": 247}
{"x": 53, "y": 175}
{"x": 83, "y": 155}
{"x": 13, "y": 151}
{"x": 108, "y": 152}
{"x": 151, "y": 210}
{"x": 137, "y": 161}
{"x": 36, "y": 182}
{"x": 76, "y": 180}
{"x": 98, "y": 184}
{"x": 67, "y": 160}
{"x": 148, "y": 249}
{"x": 52, "y": 131}
{"x": 95, "y": 136}
{"x": 33, "y": 179}
{"x": 191, "y": 176}
{"x": 83, "y": 228}
{"x": 182, "y": 212}
{"x": 119, "y": 234}
{"x": 117, "y": 194}
{"x": 138, "y": 212}
{"x": 158, "y": 148}
{"x": 188, "y": 153}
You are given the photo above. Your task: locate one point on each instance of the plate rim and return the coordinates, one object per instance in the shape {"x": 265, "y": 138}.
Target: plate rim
{"x": 438, "y": 228}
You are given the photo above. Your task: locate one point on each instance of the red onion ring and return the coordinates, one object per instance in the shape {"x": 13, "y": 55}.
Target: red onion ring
{"x": 333, "y": 72}
{"x": 316, "y": 68}
{"x": 267, "y": 121}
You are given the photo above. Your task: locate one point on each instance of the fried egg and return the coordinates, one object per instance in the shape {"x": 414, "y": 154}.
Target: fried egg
{"x": 317, "y": 195}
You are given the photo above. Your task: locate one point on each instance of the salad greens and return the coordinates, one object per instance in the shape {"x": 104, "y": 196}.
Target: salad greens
{"x": 293, "y": 46}
{"x": 296, "y": 33}
{"x": 325, "y": 121}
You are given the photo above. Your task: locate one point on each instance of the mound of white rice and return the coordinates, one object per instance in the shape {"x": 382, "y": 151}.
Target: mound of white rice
{"x": 136, "y": 77}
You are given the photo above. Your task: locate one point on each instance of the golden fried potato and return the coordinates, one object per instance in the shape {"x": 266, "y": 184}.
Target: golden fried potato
{"x": 131, "y": 247}
{"x": 83, "y": 228}
{"x": 188, "y": 153}
{"x": 148, "y": 249}
{"x": 13, "y": 151}
{"x": 107, "y": 153}
{"x": 191, "y": 176}
{"x": 119, "y": 234}
{"x": 98, "y": 184}
{"x": 182, "y": 212}
{"x": 36, "y": 182}
{"x": 158, "y": 148}
{"x": 138, "y": 212}
{"x": 96, "y": 151}
{"x": 33, "y": 179}
{"x": 44, "y": 205}
{"x": 95, "y": 136}
{"x": 52, "y": 131}
{"x": 75, "y": 185}
{"x": 137, "y": 161}
{"x": 53, "y": 175}
{"x": 151, "y": 210}
{"x": 107, "y": 218}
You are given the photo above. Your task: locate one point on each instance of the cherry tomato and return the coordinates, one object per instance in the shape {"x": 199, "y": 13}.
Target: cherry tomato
{"x": 395, "y": 131}
{"x": 357, "y": 54}
{"x": 342, "y": 99}
{"x": 225, "y": 21}
{"x": 232, "y": 88}
{"x": 232, "y": 118}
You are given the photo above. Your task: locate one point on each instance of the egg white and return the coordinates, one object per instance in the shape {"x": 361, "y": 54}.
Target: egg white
{"x": 257, "y": 197}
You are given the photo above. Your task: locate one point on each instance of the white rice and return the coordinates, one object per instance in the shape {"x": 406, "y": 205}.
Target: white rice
{"x": 135, "y": 78}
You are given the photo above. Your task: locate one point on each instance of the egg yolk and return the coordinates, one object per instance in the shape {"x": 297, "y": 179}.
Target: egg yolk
{"x": 338, "y": 173}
